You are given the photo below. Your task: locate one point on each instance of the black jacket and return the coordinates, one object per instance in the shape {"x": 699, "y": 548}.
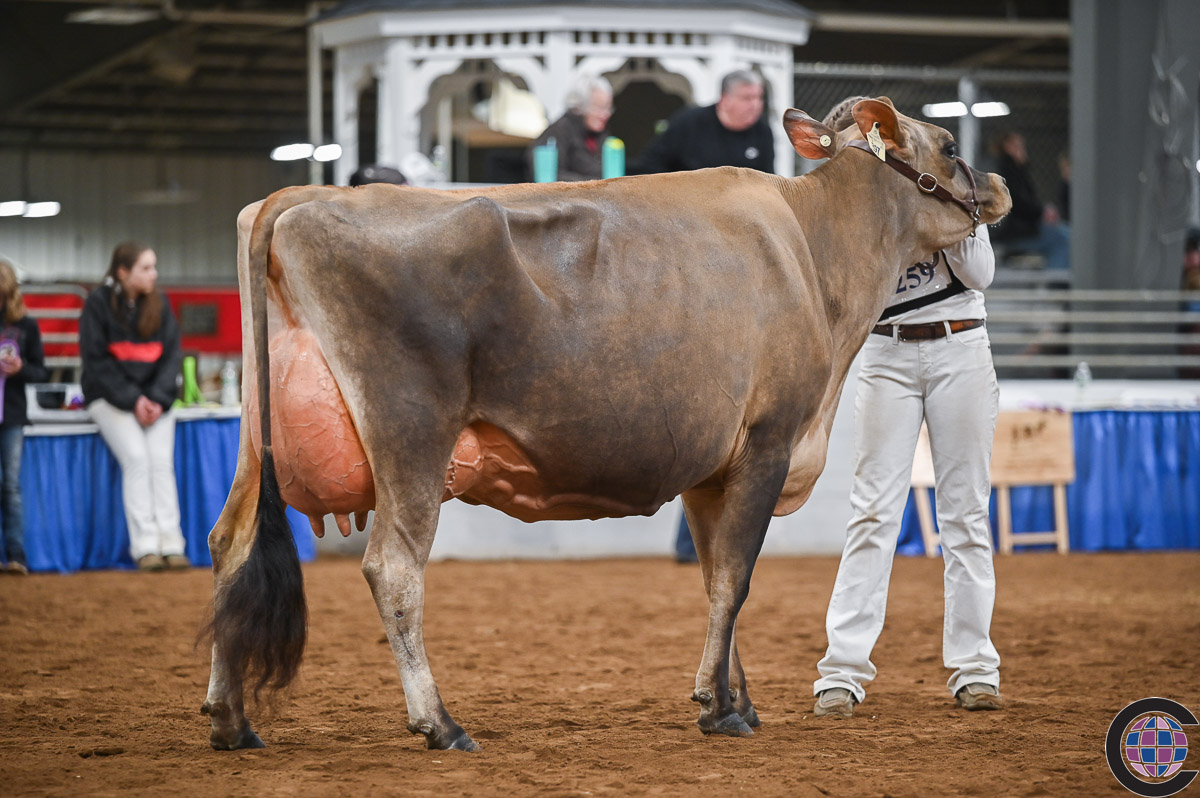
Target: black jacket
{"x": 576, "y": 161}
{"x": 118, "y": 364}
{"x": 696, "y": 139}
{"x": 28, "y": 339}
{"x": 1025, "y": 218}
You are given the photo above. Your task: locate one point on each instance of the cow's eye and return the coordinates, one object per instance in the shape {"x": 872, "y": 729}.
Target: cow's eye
{"x": 951, "y": 150}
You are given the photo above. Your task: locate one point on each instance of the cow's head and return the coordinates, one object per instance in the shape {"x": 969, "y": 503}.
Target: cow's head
{"x": 951, "y": 194}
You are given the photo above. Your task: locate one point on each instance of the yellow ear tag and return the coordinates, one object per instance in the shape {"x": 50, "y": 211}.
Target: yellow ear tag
{"x": 875, "y": 142}
{"x": 826, "y": 141}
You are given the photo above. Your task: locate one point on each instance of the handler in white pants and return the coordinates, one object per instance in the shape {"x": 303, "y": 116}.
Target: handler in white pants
{"x": 928, "y": 359}
{"x": 147, "y": 459}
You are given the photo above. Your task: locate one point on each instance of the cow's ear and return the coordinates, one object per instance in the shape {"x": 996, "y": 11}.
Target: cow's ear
{"x": 811, "y": 139}
{"x": 867, "y": 113}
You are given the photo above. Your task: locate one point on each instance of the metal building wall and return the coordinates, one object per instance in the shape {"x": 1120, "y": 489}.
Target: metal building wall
{"x": 1133, "y": 83}
{"x": 196, "y": 242}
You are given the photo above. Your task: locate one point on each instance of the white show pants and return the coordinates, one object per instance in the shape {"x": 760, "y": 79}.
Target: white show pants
{"x": 951, "y": 384}
{"x": 147, "y": 459}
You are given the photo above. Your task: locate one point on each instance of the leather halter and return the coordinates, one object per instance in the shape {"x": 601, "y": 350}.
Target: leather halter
{"x": 927, "y": 182}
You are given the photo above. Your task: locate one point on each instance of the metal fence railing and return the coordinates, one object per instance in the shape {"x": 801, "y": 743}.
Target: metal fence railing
{"x": 1046, "y": 332}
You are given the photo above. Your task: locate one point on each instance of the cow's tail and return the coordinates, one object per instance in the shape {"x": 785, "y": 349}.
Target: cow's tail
{"x": 260, "y": 616}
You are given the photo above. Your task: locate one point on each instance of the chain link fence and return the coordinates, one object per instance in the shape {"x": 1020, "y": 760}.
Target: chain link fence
{"x": 1037, "y": 102}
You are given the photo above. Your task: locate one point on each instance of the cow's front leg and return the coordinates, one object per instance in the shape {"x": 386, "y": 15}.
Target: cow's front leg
{"x": 737, "y": 690}
{"x": 729, "y": 532}
{"x": 394, "y": 565}
{"x": 704, "y": 513}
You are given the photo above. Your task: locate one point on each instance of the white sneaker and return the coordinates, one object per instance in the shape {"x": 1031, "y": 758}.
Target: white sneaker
{"x": 837, "y": 702}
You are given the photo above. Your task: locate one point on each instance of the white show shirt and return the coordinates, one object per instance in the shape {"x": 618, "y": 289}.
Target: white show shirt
{"x": 974, "y": 263}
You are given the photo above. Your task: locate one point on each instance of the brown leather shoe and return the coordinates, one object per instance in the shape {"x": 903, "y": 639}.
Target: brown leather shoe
{"x": 979, "y": 696}
{"x": 177, "y": 562}
{"x": 836, "y": 702}
{"x": 18, "y": 568}
{"x": 150, "y": 562}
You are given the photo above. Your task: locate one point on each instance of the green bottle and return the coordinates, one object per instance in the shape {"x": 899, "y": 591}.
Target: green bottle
{"x": 191, "y": 389}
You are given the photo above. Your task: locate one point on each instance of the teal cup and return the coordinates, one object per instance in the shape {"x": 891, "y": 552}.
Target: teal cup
{"x": 545, "y": 164}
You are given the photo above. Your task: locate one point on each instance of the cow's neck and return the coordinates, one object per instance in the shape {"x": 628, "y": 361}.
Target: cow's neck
{"x": 859, "y": 231}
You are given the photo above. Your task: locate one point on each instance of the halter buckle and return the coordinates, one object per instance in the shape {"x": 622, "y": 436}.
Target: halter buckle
{"x": 920, "y": 181}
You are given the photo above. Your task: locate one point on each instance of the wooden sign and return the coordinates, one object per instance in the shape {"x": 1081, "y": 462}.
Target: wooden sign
{"x": 1033, "y": 447}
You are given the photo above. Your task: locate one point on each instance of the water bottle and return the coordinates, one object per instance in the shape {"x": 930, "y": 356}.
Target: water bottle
{"x": 1083, "y": 376}
{"x": 612, "y": 158}
{"x": 545, "y": 162}
{"x": 190, "y": 395}
{"x": 229, "y": 385}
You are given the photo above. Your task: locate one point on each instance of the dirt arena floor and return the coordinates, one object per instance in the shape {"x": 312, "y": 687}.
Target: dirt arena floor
{"x": 575, "y": 677}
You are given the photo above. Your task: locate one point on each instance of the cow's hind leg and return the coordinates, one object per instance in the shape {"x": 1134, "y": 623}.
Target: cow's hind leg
{"x": 394, "y": 565}
{"x": 729, "y": 534}
{"x": 229, "y": 543}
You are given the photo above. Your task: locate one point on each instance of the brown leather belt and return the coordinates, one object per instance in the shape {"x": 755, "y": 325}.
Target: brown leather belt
{"x": 926, "y": 332}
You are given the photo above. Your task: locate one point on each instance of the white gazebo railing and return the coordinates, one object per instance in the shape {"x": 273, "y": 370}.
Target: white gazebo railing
{"x": 406, "y": 46}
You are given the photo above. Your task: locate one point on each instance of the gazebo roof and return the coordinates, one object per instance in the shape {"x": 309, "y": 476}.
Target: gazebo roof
{"x": 783, "y": 8}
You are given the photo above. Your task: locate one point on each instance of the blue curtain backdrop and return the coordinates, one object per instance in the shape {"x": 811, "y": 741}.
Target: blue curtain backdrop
{"x": 74, "y": 516}
{"x": 1137, "y": 486}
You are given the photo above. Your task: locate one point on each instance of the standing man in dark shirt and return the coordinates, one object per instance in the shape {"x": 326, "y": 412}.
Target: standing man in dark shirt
{"x": 731, "y": 133}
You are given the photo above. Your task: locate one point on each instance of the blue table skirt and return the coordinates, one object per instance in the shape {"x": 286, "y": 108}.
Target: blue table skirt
{"x": 74, "y": 516}
{"x": 1137, "y": 486}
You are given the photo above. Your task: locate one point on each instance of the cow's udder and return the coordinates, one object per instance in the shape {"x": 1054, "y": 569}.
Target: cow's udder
{"x": 319, "y": 459}
{"x": 489, "y": 467}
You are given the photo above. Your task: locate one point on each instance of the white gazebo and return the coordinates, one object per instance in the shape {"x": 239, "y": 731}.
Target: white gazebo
{"x": 683, "y": 45}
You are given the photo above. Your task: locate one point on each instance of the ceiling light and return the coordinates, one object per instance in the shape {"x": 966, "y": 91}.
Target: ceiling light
{"x": 12, "y": 208}
{"x": 327, "y": 152}
{"x": 37, "y": 209}
{"x": 939, "y": 110}
{"x": 292, "y": 152}
{"x": 989, "y": 109}
{"x": 112, "y": 15}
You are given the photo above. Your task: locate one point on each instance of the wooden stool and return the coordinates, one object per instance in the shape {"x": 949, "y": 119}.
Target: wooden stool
{"x": 1031, "y": 447}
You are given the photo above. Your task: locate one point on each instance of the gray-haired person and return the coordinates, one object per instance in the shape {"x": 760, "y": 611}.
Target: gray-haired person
{"x": 731, "y": 132}
{"x": 579, "y": 133}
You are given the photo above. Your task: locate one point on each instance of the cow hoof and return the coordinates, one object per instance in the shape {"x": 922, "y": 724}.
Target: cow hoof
{"x": 247, "y": 739}
{"x": 464, "y": 743}
{"x": 451, "y": 739}
{"x": 229, "y": 734}
{"x": 732, "y": 725}
{"x": 742, "y": 706}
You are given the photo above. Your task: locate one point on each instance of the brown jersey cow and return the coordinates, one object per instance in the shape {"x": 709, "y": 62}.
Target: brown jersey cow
{"x": 558, "y": 351}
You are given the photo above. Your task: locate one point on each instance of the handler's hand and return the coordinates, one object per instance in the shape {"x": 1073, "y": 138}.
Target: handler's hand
{"x": 146, "y": 411}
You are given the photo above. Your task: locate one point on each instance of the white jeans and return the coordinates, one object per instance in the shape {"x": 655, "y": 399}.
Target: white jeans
{"x": 951, "y": 384}
{"x": 147, "y": 458}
